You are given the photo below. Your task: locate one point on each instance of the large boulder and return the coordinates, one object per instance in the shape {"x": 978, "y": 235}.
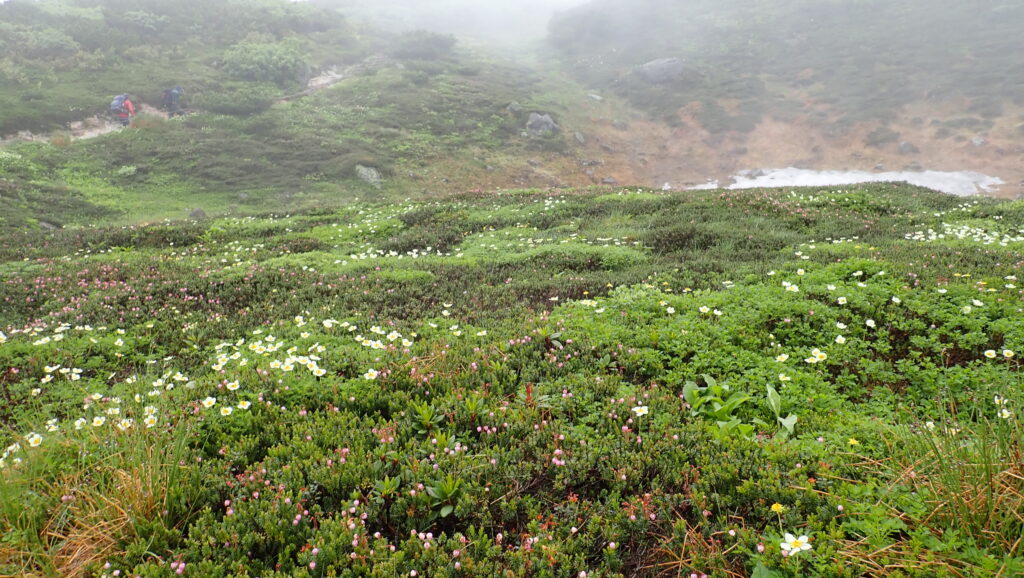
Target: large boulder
{"x": 540, "y": 125}
{"x": 662, "y": 70}
{"x": 370, "y": 176}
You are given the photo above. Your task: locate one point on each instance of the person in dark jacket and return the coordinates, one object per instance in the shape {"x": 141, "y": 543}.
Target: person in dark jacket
{"x": 172, "y": 102}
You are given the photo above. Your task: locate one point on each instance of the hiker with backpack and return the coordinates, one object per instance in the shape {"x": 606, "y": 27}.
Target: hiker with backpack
{"x": 123, "y": 108}
{"x": 172, "y": 102}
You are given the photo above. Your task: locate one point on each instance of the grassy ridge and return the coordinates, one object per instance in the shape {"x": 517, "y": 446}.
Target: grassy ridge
{"x": 613, "y": 382}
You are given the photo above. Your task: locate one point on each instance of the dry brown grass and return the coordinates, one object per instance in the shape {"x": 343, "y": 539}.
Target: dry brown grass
{"x": 973, "y": 483}
{"x": 98, "y": 514}
{"x": 675, "y": 559}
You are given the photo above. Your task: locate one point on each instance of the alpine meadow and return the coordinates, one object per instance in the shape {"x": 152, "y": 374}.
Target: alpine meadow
{"x": 580, "y": 289}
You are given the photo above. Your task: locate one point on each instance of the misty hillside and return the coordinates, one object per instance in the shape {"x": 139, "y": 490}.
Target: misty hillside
{"x": 738, "y": 85}
{"x": 402, "y": 290}
{"x": 290, "y": 107}
{"x": 864, "y": 59}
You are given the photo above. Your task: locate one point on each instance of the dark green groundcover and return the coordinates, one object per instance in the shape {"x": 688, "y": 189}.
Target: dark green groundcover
{"x": 611, "y": 383}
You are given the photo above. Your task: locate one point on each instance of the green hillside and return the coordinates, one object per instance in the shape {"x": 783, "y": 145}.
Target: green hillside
{"x": 852, "y": 61}
{"x": 420, "y": 114}
{"x": 617, "y": 383}
{"x": 364, "y": 311}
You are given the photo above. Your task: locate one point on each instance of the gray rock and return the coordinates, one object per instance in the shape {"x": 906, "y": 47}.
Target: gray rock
{"x": 880, "y": 167}
{"x": 620, "y": 124}
{"x": 609, "y": 181}
{"x": 590, "y": 162}
{"x": 533, "y": 162}
{"x": 580, "y": 138}
{"x": 914, "y": 166}
{"x": 596, "y": 97}
{"x": 662, "y": 70}
{"x": 540, "y": 125}
{"x": 370, "y": 176}
{"x": 197, "y": 215}
{"x": 908, "y": 148}
{"x": 978, "y": 141}
{"x": 49, "y": 226}
{"x": 514, "y": 107}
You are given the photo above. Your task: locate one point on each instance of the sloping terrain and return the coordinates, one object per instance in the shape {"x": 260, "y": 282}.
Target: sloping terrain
{"x": 627, "y": 383}
{"x": 740, "y": 85}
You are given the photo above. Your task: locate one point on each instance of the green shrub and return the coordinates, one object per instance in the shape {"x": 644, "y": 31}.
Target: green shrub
{"x": 281, "y": 63}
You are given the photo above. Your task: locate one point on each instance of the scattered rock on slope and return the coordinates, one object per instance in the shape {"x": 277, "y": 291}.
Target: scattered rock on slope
{"x": 662, "y": 70}
{"x": 540, "y": 125}
{"x": 369, "y": 175}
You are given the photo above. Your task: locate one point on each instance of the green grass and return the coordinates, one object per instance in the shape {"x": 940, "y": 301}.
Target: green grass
{"x": 538, "y": 328}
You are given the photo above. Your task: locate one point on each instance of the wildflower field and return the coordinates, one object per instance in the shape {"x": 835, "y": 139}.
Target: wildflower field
{"x": 771, "y": 383}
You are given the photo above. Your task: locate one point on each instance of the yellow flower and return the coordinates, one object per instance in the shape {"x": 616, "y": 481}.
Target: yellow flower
{"x": 853, "y": 442}
{"x": 778, "y": 508}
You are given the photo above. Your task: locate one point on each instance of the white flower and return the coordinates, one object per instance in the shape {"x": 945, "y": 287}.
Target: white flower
{"x": 371, "y": 374}
{"x": 1005, "y": 413}
{"x": 34, "y": 439}
{"x": 226, "y": 410}
{"x": 98, "y": 421}
{"x": 233, "y": 385}
{"x": 841, "y": 300}
{"x": 704, "y": 309}
{"x": 841, "y": 325}
{"x": 840, "y": 339}
{"x": 977, "y": 303}
{"x": 209, "y": 402}
{"x": 781, "y": 358}
{"x": 244, "y": 404}
{"x": 870, "y": 323}
{"x": 124, "y": 424}
{"x": 640, "y": 410}
{"x": 793, "y": 545}
{"x": 1008, "y": 353}
{"x": 896, "y": 300}
{"x": 150, "y": 421}
{"x": 784, "y": 377}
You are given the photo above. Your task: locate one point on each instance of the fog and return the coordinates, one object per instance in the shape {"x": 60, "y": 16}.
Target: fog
{"x": 496, "y": 21}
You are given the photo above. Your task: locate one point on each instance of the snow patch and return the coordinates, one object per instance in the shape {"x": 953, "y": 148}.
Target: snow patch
{"x": 959, "y": 183}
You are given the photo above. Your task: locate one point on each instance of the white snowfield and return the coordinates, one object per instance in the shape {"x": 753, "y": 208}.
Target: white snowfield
{"x": 959, "y": 183}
